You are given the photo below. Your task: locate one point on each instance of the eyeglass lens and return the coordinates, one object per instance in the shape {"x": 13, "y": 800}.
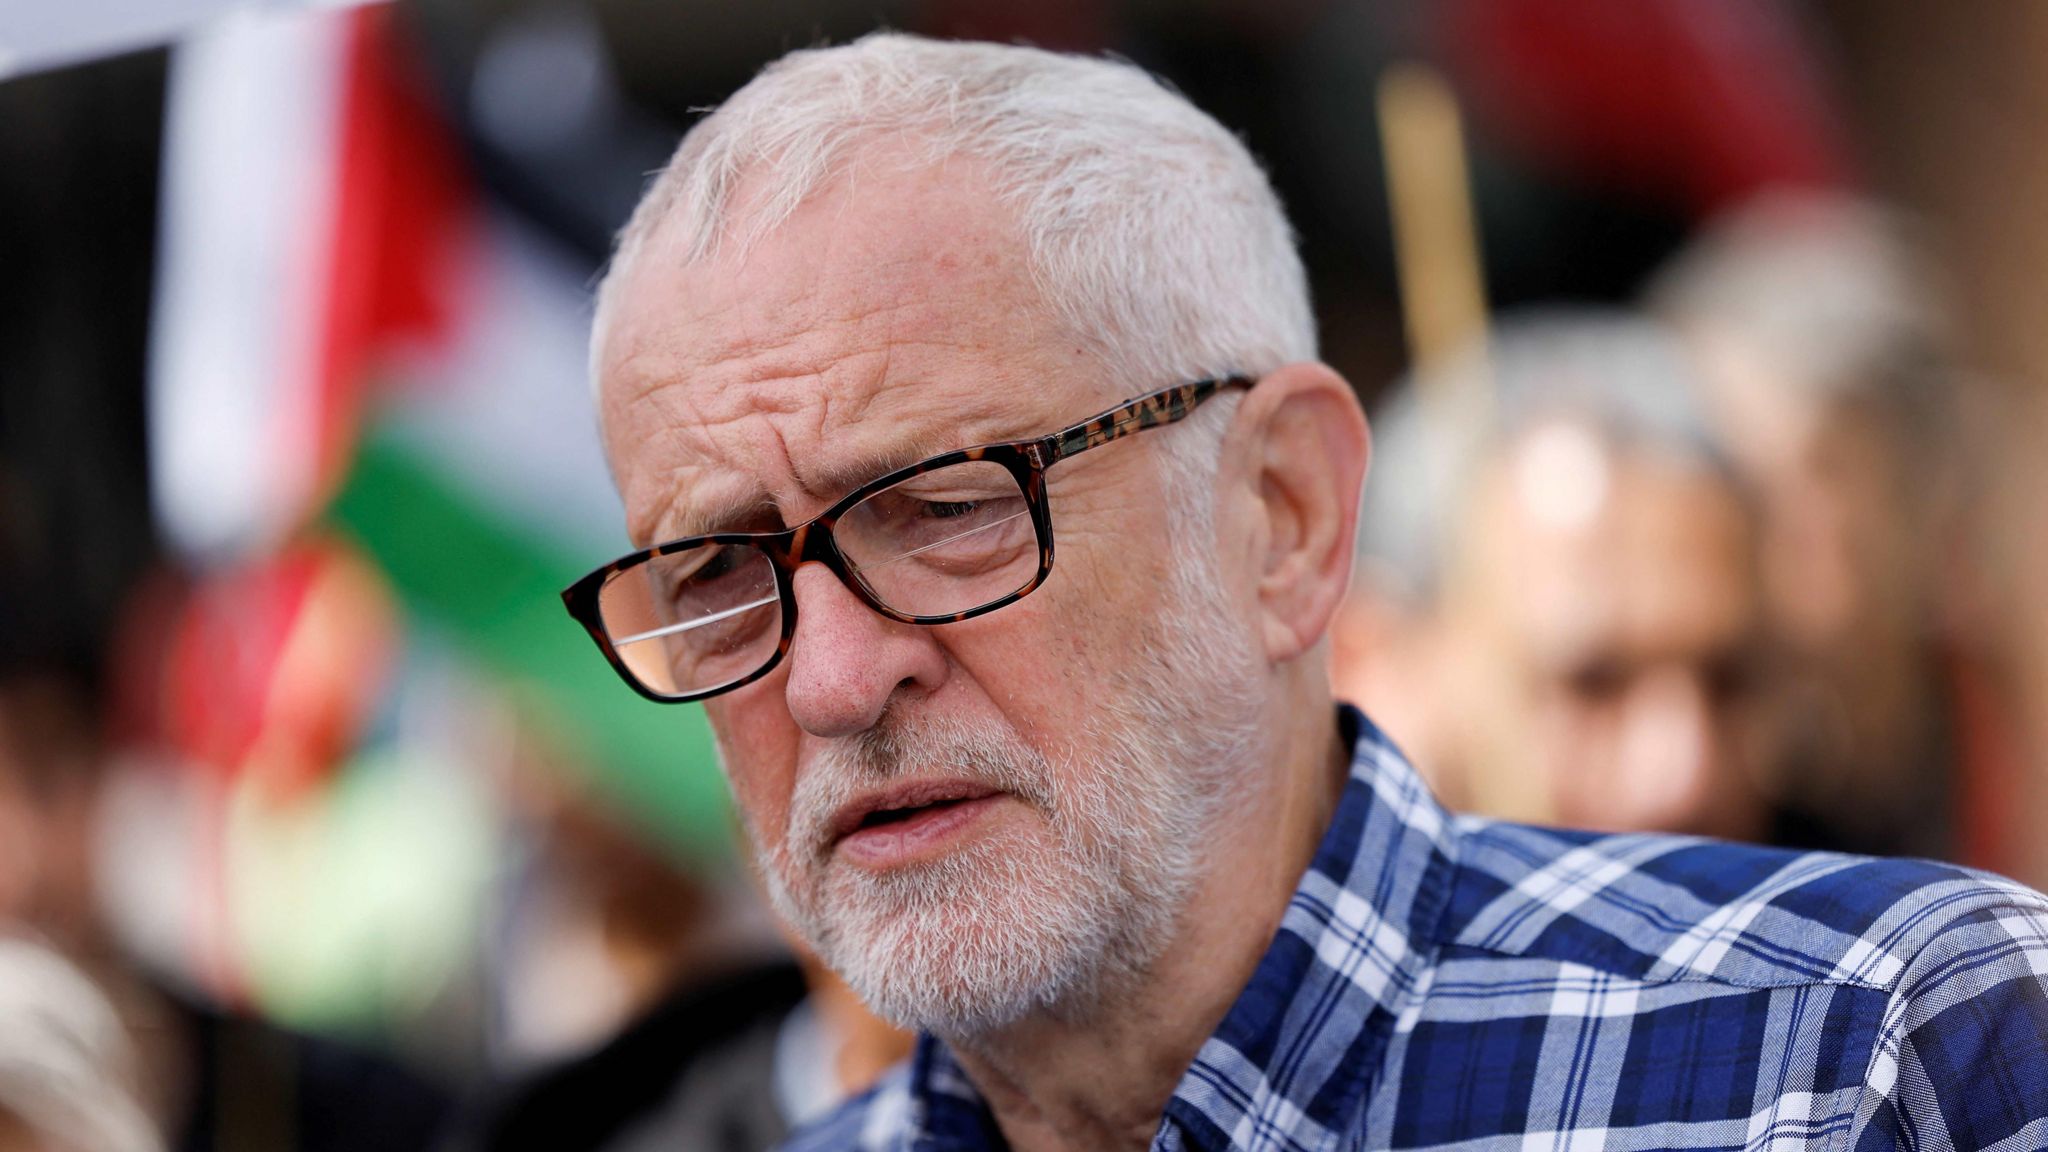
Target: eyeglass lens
{"x": 938, "y": 543}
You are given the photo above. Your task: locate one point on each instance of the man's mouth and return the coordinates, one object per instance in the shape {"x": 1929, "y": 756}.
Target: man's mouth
{"x": 883, "y": 816}
{"x": 913, "y": 819}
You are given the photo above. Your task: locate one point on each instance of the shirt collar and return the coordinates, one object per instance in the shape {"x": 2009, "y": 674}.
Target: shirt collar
{"x": 1295, "y": 1055}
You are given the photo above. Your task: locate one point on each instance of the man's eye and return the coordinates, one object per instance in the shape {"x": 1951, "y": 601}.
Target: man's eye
{"x": 702, "y": 574}
{"x": 719, "y": 565}
{"x": 950, "y": 509}
{"x": 712, "y": 564}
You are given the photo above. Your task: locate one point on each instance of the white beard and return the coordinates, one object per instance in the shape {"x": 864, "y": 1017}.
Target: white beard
{"x": 1058, "y": 919}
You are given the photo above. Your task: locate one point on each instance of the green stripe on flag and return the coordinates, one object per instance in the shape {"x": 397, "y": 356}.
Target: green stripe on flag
{"x": 496, "y": 591}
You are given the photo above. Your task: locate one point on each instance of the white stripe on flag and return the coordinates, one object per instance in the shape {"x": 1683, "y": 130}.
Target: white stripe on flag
{"x": 35, "y": 36}
{"x": 250, "y": 174}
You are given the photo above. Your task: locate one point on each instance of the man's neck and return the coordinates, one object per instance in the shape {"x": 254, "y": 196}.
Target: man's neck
{"x": 1101, "y": 1080}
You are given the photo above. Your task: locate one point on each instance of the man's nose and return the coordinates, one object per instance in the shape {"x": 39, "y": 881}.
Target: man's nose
{"x": 847, "y": 661}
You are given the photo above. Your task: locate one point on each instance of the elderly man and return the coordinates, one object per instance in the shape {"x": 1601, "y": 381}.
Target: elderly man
{"x": 964, "y": 399}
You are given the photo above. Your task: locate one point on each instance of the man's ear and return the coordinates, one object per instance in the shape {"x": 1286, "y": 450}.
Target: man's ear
{"x": 1303, "y": 444}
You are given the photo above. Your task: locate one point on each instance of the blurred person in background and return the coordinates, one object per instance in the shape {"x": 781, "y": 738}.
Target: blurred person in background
{"x": 730, "y": 1060}
{"x": 652, "y": 1005}
{"x": 70, "y": 1076}
{"x": 68, "y": 1070}
{"x": 1556, "y": 603}
{"x": 1099, "y": 830}
{"x": 51, "y": 771}
{"x": 1820, "y": 344}
{"x": 206, "y": 1077}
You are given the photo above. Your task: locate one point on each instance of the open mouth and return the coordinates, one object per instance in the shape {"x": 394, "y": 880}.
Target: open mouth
{"x": 881, "y": 817}
{"x": 913, "y": 822}
{"x": 906, "y": 804}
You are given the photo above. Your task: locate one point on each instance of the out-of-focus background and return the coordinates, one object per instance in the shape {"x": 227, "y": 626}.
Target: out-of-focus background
{"x": 1710, "y": 388}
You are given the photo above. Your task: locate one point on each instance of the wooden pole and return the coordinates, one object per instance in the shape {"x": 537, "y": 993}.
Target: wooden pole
{"x": 1436, "y": 241}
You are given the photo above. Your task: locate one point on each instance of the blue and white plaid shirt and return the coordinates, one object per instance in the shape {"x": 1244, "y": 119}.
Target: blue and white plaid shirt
{"x": 1451, "y": 982}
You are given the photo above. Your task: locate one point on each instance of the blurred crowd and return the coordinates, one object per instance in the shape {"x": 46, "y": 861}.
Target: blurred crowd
{"x": 319, "y": 827}
{"x": 1682, "y": 567}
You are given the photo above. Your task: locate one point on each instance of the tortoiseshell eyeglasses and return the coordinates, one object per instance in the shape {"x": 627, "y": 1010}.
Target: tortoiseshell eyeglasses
{"x": 944, "y": 540}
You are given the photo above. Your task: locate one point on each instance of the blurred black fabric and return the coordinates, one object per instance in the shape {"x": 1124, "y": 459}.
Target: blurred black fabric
{"x": 695, "y": 1072}
{"x": 78, "y": 204}
{"x": 256, "y": 1086}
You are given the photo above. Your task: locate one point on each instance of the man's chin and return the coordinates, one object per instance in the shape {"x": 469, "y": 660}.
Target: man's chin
{"x": 967, "y": 943}
{"x": 940, "y": 982}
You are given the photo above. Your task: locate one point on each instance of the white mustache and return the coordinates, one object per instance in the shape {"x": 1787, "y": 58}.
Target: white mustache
{"x": 985, "y": 754}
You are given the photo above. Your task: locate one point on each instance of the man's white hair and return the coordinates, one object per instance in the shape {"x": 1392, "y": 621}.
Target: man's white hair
{"x": 1151, "y": 232}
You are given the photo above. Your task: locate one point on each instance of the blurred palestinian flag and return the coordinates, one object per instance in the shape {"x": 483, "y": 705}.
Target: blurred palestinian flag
{"x": 347, "y": 333}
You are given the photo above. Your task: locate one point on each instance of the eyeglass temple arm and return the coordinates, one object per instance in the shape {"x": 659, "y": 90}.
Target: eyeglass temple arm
{"x": 1162, "y": 407}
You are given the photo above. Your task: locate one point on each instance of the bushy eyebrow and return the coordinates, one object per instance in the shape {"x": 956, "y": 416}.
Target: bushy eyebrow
{"x": 742, "y": 510}
{"x": 757, "y": 510}
{"x": 831, "y": 482}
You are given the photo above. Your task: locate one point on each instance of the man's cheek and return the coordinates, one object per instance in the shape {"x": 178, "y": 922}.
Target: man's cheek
{"x": 757, "y": 763}
{"x": 1036, "y": 661}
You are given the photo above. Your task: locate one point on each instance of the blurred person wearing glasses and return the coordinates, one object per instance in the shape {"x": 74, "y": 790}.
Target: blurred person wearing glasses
{"x": 987, "y": 490}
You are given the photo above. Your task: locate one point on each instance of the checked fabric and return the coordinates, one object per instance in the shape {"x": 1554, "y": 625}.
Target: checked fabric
{"x": 1456, "y": 983}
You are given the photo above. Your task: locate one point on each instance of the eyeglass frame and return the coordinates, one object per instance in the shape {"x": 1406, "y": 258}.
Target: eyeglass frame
{"x": 812, "y": 541}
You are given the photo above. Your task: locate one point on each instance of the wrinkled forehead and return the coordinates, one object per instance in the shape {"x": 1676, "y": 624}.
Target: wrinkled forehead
{"x": 892, "y": 315}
